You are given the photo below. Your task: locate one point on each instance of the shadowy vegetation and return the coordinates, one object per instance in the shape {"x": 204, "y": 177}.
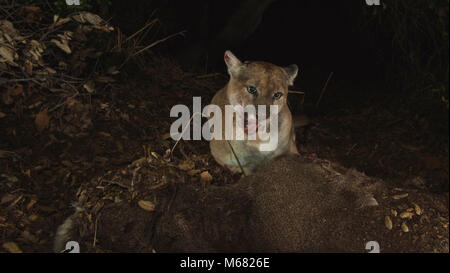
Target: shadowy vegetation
{"x": 415, "y": 35}
{"x": 62, "y": 8}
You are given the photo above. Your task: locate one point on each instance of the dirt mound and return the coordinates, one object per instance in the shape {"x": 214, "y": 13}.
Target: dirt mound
{"x": 320, "y": 207}
{"x": 293, "y": 205}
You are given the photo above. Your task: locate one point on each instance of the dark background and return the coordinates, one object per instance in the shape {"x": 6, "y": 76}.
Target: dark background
{"x": 314, "y": 34}
{"x": 399, "y": 48}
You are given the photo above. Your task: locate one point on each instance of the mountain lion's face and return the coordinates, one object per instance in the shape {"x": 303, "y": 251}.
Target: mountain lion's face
{"x": 258, "y": 83}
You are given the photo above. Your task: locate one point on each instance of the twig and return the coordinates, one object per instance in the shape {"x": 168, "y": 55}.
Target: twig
{"x": 206, "y": 63}
{"x": 52, "y": 28}
{"x": 389, "y": 124}
{"x": 182, "y": 133}
{"x": 172, "y": 199}
{"x": 141, "y": 37}
{"x": 237, "y": 159}
{"x": 62, "y": 103}
{"x": 159, "y": 185}
{"x": 208, "y": 75}
{"x": 95, "y": 231}
{"x": 296, "y": 92}
{"x": 4, "y": 154}
{"x": 112, "y": 182}
{"x": 16, "y": 80}
{"x": 351, "y": 149}
{"x": 67, "y": 100}
{"x": 323, "y": 89}
{"x": 158, "y": 42}
{"x": 134, "y": 178}
{"x": 142, "y": 29}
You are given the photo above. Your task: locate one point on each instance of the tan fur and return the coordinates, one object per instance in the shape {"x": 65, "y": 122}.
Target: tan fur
{"x": 268, "y": 80}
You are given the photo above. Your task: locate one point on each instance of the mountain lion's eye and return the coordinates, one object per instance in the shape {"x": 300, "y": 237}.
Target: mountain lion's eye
{"x": 277, "y": 95}
{"x": 251, "y": 89}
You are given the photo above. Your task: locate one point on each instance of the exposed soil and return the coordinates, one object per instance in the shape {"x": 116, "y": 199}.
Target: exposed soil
{"x": 303, "y": 205}
{"x": 294, "y": 204}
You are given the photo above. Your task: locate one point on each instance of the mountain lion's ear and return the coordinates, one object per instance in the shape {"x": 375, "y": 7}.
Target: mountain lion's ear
{"x": 291, "y": 71}
{"x": 233, "y": 63}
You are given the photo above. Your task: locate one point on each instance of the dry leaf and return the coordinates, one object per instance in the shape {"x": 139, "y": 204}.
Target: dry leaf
{"x": 406, "y": 214}
{"x": 28, "y": 65}
{"x": 10, "y": 178}
{"x": 105, "y": 134}
{"x": 31, "y": 204}
{"x": 205, "y": 177}
{"x": 89, "y": 86}
{"x": 146, "y": 205}
{"x": 84, "y": 17}
{"x": 405, "y": 228}
{"x": 11, "y": 247}
{"x": 16, "y": 90}
{"x": 42, "y": 120}
{"x": 61, "y": 21}
{"x": 400, "y": 196}
{"x": 388, "y": 222}
{"x": 63, "y": 45}
{"x": 8, "y": 28}
{"x": 96, "y": 21}
{"x": 186, "y": 165}
{"x": 8, "y": 54}
{"x": 193, "y": 172}
{"x": 417, "y": 209}
{"x": 7, "y": 198}
{"x": 50, "y": 70}
{"x": 104, "y": 79}
{"x": 113, "y": 70}
{"x": 33, "y": 13}
{"x": 32, "y": 9}
{"x": 166, "y": 136}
